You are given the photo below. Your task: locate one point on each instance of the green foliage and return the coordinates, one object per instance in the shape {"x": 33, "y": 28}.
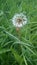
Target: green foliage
{"x": 18, "y": 48}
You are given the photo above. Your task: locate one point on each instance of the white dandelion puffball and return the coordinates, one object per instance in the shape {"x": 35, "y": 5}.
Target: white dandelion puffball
{"x": 19, "y": 20}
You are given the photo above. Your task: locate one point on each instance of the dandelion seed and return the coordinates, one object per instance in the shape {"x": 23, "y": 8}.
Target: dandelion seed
{"x": 19, "y": 20}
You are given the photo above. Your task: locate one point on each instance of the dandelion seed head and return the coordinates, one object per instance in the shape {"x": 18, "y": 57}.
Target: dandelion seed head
{"x": 19, "y": 20}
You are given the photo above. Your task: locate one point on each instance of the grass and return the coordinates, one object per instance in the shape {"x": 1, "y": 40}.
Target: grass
{"x": 18, "y": 48}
